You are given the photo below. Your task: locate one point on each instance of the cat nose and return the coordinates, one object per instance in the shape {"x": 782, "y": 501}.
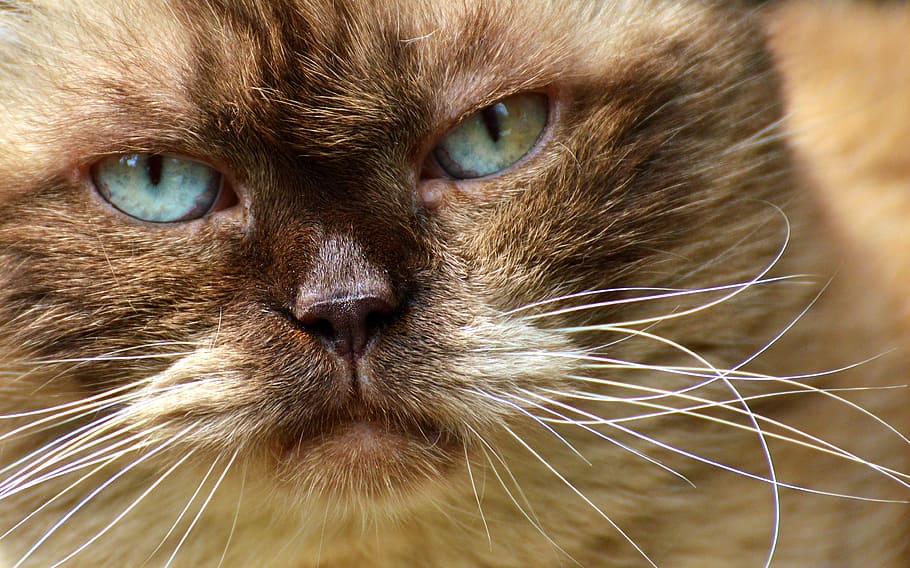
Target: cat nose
{"x": 347, "y": 323}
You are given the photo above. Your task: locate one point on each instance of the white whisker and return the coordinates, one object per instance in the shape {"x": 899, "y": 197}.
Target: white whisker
{"x": 601, "y": 435}
{"x": 183, "y": 511}
{"x": 59, "y": 441}
{"x": 814, "y": 443}
{"x": 227, "y": 545}
{"x": 202, "y": 509}
{"x": 584, "y": 497}
{"x": 92, "y": 494}
{"x": 26, "y": 479}
{"x": 528, "y": 513}
{"x": 720, "y": 376}
{"x": 616, "y": 424}
{"x": 98, "y": 400}
{"x": 736, "y": 291}
{"x": 53, "y": 499}
{"x": 662, "y": 294}
{"x": 483, "y": 517}
{"x": 549, "y": 428}
{"x": 126, "y": 511}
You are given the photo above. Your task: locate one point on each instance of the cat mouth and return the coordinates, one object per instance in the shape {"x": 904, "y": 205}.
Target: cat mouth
{"x": 359, "y": 419}
{"x": 367, "y": 455}
{"x": 362, "y": 431}
{"x": 373, "y": 441}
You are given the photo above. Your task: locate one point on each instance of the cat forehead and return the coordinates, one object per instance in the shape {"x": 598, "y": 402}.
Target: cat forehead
{"x": 337, "y": 66}
{"x": 343, "y": 75}
{"x": 152, "y": 72}
{"x": 162, "y": 67}
{"x": 481, "y": 45}
{"x": 353, "y": 48}
{"x": 494, "y": 40}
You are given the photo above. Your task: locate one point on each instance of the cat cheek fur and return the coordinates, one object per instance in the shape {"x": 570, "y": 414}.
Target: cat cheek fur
{"x": 634, "y": 338}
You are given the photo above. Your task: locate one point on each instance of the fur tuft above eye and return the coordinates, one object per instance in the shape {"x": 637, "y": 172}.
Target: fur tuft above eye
{"x": 494, "y": 138}
{"x": 161, "y": 188}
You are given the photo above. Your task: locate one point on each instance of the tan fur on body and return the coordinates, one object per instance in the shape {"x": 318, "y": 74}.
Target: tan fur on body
{"x": 598, "y": 357}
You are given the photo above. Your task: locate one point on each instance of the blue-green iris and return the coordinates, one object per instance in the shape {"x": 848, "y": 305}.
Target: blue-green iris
{"x": 156, "y": 187}
{"x": 494, "y": 138}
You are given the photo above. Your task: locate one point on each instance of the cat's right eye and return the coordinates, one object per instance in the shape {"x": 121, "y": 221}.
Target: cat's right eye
{"x": 161, "y": 188}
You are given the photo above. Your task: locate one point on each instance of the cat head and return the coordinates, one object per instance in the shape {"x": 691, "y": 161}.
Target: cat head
{"x": 349, "y": 242}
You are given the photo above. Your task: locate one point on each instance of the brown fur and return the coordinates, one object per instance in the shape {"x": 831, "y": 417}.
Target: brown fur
{"x": 665, "y": 166}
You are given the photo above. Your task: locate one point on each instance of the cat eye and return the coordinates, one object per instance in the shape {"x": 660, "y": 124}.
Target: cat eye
{"x": 160, "y": 188}
{"x": 494, "y": 138}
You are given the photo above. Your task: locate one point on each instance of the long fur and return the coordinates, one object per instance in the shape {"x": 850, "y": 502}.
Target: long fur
{"x": 649, "y": 342}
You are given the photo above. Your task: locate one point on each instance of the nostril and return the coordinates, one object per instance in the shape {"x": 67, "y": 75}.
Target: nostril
{"x": 347, "y": 323}
{"x": 319, "y": 327}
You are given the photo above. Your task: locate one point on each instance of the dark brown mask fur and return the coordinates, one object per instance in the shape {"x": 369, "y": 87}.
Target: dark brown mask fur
{"x": 359, "y": 364}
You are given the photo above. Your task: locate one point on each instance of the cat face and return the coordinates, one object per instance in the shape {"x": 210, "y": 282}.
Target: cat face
{"x": 353, "y": 246}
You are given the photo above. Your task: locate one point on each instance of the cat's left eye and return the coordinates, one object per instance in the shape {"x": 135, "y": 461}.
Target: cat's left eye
{"x": 161, "y": 188}
{"x": 494, "y": 138}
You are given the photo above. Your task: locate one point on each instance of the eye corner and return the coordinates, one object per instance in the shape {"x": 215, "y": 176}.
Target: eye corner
{"x": 228, "y": 198}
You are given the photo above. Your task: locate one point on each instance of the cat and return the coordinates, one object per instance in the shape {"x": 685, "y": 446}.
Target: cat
{"x": 418, "y": 283}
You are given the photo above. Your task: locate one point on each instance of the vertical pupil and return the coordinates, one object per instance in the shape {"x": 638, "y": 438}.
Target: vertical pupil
{"x": 490, "y": 116}
{"x": 153, "y": 166}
